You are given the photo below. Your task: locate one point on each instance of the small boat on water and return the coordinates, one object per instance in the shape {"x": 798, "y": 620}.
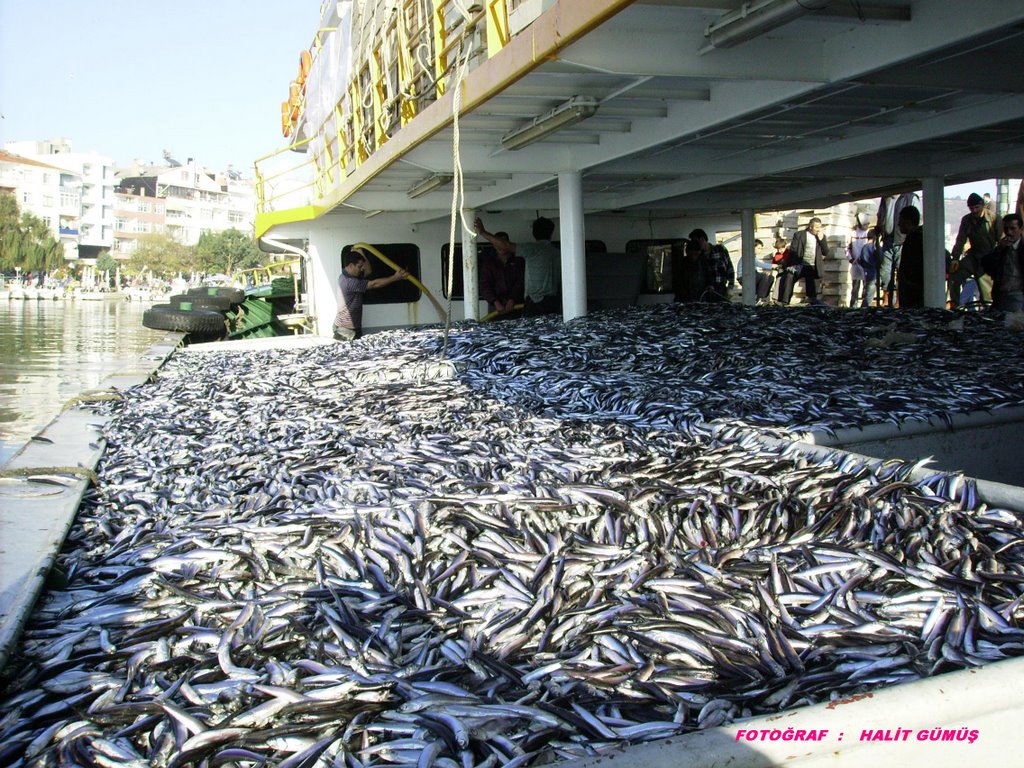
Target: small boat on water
{"x": 49, "y": 293}
{"x": 143, "y": 293}
{"x": 85, "y": 295}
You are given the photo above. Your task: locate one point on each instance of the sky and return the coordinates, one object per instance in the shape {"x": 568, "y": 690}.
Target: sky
{"x": 132, "y": 78}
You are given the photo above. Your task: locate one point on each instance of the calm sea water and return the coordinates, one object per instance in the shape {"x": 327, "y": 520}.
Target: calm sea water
{"x": 52, "y": 351}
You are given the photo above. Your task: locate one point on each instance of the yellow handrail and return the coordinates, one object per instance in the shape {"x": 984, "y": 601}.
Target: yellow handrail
{"x": 412, "y": 278}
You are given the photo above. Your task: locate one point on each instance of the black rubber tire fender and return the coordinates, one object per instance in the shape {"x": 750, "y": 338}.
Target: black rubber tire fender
{"x": 233, "y": 295}
{"x": 199, "y": 301}
{"x": 164, "y": 317}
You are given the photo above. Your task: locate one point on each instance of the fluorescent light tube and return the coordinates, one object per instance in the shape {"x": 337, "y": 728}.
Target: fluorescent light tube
{"x": 571, "y": 112}
{"x": 429, "y": 184}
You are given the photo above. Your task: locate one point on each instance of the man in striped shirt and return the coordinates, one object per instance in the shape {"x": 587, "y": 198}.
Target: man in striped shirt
{"x": 354, "y": 282}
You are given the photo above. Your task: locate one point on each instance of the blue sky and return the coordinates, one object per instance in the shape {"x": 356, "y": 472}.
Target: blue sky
{"x": 131, "y": 78}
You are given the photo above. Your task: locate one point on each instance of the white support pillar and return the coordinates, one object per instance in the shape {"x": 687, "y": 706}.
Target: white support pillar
{"x": 470, "y": 280}
{"x": 934, "y": 233}
{"x": 747, "y": 257}
{"x": 573, "y": 247}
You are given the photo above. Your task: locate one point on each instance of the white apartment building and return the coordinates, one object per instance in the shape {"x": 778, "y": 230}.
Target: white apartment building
{"x": 97, "y": 178}
{"x": 44, "y": 190}
{"x": 191, "y": 200}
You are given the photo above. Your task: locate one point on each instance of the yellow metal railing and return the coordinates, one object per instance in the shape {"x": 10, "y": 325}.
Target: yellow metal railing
{"x": 257, "y": 276}
{"x": 401, "y": 64}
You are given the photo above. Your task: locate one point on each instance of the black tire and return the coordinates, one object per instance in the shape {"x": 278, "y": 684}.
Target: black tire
{"x": 199, "y": 301}
{"x": 233, "y": 295}
{"x": 164, "y": 317}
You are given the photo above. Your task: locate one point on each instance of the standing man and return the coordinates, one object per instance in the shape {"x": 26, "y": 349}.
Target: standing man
{"x": 354, "y": 282}
{"x": 910, "y": 281}
{"x": 543, "y": 271}
{"x": 981, "y": 229}
{"x": 501, "y": 278}
{"x": 892, "y": 239}
{"x": 722, "y": 277}
{"x": 858, "y": 240}
{"x": 806, "y": 255}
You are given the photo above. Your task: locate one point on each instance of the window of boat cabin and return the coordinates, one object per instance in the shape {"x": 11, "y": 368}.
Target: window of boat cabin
{"x": 485, "y": 250}
{"x": 406, "y": 256}
{"x": 662, "y": 255}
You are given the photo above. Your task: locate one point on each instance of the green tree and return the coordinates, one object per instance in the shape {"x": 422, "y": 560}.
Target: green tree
{"x": 105, "y": 263}
{"x": 10, "y": 233}
{"x": 26, "y": 242}
{"x": 227, "y": 251}
{"x": 164, "y": 255}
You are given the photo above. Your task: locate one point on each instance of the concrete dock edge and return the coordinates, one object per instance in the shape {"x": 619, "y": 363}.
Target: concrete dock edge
{"x": 41, "y": 487}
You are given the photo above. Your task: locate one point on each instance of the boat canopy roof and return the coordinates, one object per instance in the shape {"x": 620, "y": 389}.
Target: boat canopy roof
{"x": 703, "y": 107}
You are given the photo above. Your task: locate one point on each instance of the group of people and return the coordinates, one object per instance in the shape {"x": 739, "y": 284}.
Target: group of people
{"x": 987, "y": 261}
{"x": 886, "y": 262}
{"x": 521, "y": 277}
{"x": 798, "y": 259}
{"x": 887, "y": 265}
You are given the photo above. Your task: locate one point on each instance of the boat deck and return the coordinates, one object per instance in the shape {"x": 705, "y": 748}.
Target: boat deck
{"x": 546, "y": 528}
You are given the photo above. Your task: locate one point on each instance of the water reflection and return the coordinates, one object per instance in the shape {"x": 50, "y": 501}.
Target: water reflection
{"x": 52, "y": 351}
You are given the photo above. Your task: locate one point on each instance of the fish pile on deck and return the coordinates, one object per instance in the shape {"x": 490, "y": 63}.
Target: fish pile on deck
{"x": 291, "y": 560}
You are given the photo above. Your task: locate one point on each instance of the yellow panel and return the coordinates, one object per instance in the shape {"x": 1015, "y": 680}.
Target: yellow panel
{"x": 266, "y": 221}
{"x": 497, "y": 26}
{"x": 440, "y": 41}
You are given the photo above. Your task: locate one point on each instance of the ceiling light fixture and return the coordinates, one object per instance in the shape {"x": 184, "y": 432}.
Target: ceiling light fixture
{"x": 571, "y": 112}
{"x": 429, "y": 184}
{"x": 753, "y": 19}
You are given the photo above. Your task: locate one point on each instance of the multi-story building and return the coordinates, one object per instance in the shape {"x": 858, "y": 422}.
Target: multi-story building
{"x": 190, "y": 200}
{"x": 44, "y": 190}
{"x": 95, "y": 172}
{"x": 137, "y": 212}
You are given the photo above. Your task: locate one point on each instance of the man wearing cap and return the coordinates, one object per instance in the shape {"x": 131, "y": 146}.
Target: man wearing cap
{"x": 981, "y": 229}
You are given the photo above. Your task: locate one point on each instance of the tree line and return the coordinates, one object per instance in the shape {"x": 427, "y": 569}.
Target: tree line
{"x": 28, "y": 245}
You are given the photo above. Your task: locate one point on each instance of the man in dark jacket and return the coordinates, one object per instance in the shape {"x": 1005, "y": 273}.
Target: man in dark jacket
{"x": 806, "y": 254}
{"x": 1006, "y": 266}
{"x": 501, "y": 278}
{"x": 910, "y": 279}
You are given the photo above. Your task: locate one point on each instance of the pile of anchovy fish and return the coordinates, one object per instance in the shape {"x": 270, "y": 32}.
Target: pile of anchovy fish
{"x": 324, "y": 556}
